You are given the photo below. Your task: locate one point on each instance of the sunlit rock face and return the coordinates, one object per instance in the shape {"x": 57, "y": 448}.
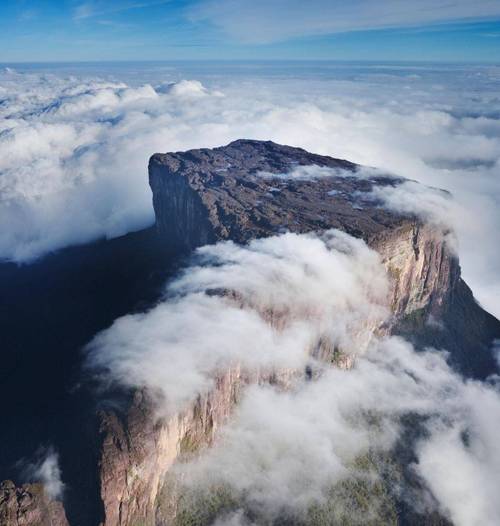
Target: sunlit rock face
{"x": 29, "y": 505}
{"x": 249, "y": 190}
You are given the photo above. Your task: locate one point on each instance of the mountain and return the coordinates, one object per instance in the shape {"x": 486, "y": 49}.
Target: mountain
{"x": 241, "y": 192}
{"x": 204, "y": 196}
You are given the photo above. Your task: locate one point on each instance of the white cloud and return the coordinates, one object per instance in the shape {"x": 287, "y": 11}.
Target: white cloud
{"x": 184, "y": 88}
{"x": 45, "y": 469}
{"x": 284, "y": 450}
{"x": 100, "y": 7}
{"x": 256, "y": 21}
{"x": 73, "y": 153}
{"x": 307, "y": 173}
{"x": 331, "y": 287}
{"x": 432, "y": 205}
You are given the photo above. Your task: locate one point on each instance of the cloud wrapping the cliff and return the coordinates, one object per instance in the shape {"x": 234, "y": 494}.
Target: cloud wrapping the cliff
{"x": 431, "y": 204}
{"x": 285, "y": 450}
{"x": 309, "y": 287}
{"x": 44, "y": 469}
{"x": 73, "y": 152}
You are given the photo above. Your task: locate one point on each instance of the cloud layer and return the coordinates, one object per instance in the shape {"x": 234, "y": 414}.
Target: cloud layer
{"x": 73, "y": 152}
{"x": 285, "y": 450}
{"x": 329, "y": 288}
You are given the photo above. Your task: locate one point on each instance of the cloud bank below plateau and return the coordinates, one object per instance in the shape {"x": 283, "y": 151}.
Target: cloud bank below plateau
{"x": 73, "y": 152}
{"x": 285, "y": 449}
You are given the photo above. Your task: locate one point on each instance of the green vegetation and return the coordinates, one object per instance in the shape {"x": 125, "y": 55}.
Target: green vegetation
{"x": 201, "y": 508}
{"x": 362, "y": 499}
{"x": 189, "y": 445}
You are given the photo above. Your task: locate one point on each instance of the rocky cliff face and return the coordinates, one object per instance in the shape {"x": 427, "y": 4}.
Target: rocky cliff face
{"x": 138, "y": 452}
{"x": 239, "y": 192}
{"x": 29, "y": 506}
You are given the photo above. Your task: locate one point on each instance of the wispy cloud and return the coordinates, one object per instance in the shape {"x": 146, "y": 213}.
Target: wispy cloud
{"x": 114, "y": 24}
{"x": 28, "y": 14}
{"x": 256, "y": 21}
{"x": 93, "y": 9}
{"x": 44, "y": 468}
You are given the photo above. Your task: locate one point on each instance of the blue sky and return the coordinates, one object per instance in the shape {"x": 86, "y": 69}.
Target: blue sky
{"x": 75, "y": 30}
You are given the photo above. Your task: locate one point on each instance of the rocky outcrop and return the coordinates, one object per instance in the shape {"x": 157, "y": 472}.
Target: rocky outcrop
{"x": 139, "y": 450}
{"x": 239, "y": 193}
{"x": 29, "y": 506}
{"x": 206, "y": 195}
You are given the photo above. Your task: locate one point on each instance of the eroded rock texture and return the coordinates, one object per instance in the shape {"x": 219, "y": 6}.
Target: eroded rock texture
{"x": 29, "y": 506}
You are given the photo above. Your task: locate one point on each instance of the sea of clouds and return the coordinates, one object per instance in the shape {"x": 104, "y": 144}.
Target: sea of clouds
{"x": 75, "y": 142}
{"x": 74, "y": 147}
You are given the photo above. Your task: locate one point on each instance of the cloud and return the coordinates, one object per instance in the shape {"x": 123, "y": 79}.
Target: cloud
{"x": 83, "y": 11}
{"x": 184, "y": 88}
{"x": 307, "y": 173}
{"x": 44, "y": 469}
{"x": 284, "y": 451}
{"x": 98, "y": 7}
{"x": 255, "y": 22}
{"x": 267, "y": 306}
{"x": 73, "y": 152}
{"x": 432, "y": 205}
{"x": 312, "y": 288}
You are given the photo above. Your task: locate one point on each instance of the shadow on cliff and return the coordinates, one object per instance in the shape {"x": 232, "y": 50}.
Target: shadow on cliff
{"x": 48, "y": 311}
{"x": 464, "y": 329}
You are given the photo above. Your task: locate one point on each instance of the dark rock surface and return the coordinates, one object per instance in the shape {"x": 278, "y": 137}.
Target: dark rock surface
{"x": 206, "y": 195}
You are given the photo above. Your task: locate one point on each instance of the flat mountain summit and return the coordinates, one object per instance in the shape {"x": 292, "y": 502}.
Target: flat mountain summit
{"x": 254, "y": 188}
